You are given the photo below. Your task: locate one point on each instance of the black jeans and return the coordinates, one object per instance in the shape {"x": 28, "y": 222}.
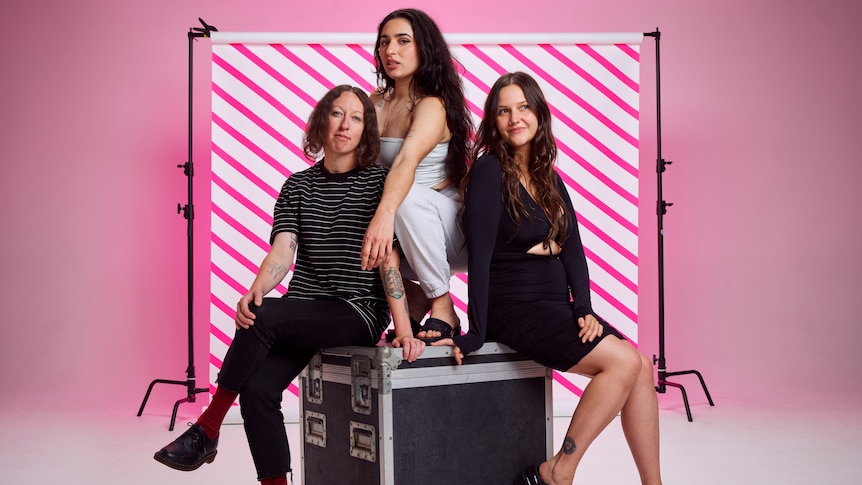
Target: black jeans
{"x": 263, "y": 360}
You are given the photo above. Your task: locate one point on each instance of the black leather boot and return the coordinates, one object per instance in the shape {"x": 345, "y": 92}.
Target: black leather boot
{"x": 189, "y": 451}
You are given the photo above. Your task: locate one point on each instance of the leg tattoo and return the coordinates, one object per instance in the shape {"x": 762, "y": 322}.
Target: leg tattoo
{"x": 568, "y": 446}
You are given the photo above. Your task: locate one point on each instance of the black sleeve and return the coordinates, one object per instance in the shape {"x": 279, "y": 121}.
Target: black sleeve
{"x": 285, "y": 213}
{"x": 575, "y": 261}
{"x": 483, "y": 207}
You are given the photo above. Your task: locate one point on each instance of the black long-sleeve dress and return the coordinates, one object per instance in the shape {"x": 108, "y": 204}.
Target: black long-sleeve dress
{"x": 528, "y": 302}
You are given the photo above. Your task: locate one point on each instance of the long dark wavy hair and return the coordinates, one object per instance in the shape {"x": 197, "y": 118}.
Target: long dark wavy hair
{"x": 317, "y": 128}
{"x": 436, "y": 76}
{"x": 543, "y": 155}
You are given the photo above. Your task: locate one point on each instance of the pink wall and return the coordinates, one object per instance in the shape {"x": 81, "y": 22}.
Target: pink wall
{"x": 760, "y": 116}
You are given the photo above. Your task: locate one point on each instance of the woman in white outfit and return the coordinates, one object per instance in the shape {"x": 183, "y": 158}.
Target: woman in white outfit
{"x": 425, "y": 131}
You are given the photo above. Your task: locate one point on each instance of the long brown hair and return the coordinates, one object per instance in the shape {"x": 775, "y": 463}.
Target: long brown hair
{"x": 317, "y": 127}
{"x": 543, "y": 156}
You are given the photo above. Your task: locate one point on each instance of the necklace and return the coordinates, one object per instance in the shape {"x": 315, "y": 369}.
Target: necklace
{"x": 388, "y": 114}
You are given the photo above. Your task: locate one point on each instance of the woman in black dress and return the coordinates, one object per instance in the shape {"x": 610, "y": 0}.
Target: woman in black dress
{"x": 529, "y": 287}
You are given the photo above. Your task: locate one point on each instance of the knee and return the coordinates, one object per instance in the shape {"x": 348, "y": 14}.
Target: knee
{"x": 632, "y": 364}
{"x": 261, "y": 313}
{"x": 646, "y": 368}
{"x": 638, "y": 368}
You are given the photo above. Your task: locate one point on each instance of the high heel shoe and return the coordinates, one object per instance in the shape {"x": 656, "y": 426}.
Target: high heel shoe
{"x": 530, "y": 476}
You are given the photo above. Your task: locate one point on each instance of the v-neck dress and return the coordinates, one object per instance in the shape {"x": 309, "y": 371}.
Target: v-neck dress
{"x": 526, "y": 301}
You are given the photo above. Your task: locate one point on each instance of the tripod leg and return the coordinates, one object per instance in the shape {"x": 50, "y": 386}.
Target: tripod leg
{"x": 699, "y": 376}
{"x": 684, "y": 397}
{"x": 174, "y": 414}
{"x": 705, "y": 391}
{"x": 190, "y": 398}
{"x": 150, "y": 389}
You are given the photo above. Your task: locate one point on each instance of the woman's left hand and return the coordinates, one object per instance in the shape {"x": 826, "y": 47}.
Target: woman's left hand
{"x": 590, "y": 328}
{"x": 456, "y": 351}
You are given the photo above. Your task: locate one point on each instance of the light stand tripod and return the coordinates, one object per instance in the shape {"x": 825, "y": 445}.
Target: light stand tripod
{"x": 661, "y": 210}
{"x": 189, "y": 214}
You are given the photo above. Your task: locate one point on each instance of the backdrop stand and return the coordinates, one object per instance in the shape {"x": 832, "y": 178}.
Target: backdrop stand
{"x": 661, "y": 210}
{"x": 189, "y": 214}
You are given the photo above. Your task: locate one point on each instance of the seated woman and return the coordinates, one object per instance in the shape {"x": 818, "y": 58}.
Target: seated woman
{"x": 529, "y": 287}
{"x": 425, "y": 129}
{"x": 320, "y": 216}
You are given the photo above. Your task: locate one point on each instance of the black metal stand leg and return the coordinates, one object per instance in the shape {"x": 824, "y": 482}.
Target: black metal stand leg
{"x": 192, "y": 391}
{"x": 663, "y": 383}
{"x": 190, "y": 398}
{"x": 150, "y": 389}
{"x": 699, "y": 376}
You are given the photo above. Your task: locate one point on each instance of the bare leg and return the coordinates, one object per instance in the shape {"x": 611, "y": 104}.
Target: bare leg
{"x": 639, "y": 419}
{"x": 442, "y": 308}
{"x": 617, "y": 370}
{"x": 416, "y": 299}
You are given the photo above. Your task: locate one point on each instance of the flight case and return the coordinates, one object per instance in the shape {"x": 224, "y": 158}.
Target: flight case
{"x": 367, "y": 417}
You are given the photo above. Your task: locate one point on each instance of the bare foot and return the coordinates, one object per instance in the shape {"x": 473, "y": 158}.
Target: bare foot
{"x": 443, "y": 309}
{"x": 553, "y": 475}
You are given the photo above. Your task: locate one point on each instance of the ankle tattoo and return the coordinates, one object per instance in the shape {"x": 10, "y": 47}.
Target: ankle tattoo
{"x": 568, "y": 446}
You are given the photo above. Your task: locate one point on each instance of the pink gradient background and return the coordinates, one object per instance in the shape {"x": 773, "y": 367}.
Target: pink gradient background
{"x": 761, "y": 105}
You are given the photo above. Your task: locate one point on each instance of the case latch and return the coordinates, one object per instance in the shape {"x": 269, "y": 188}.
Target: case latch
{"x": 360, "y": 390}
{"x": 314, "y": 385}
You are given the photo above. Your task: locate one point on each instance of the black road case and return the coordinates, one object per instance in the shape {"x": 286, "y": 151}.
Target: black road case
{"x": 368, "y": 418}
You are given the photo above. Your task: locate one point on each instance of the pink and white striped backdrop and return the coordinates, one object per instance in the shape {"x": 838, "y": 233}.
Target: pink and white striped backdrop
{"x": 266, "y": 84}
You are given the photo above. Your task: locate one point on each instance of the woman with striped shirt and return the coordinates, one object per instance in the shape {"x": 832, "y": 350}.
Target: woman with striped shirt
{"x": 320, "y": 218}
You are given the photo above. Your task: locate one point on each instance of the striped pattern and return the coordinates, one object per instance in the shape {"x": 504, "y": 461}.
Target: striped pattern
{"x": 264, "y": 92}
{"x": 328, "y": 258}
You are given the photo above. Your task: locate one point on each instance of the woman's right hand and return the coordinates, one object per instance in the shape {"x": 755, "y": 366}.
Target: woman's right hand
{"x": 244, "y": 316}
{"x": 378, "y": 241}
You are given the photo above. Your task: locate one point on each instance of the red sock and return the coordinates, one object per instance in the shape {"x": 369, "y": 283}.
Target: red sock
{"x": 282, "y": 480}
{"x": 212, "y": 418}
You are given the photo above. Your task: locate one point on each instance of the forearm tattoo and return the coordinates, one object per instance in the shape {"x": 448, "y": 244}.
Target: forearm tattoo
{"x": 393, "y": 283}
{"x": 568, "y": 446}
{"x": 277, "y": 271}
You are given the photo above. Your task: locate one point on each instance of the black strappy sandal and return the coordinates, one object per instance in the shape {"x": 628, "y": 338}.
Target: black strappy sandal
{"x": 438, "y": 325}
{"x": 414, "y": 325}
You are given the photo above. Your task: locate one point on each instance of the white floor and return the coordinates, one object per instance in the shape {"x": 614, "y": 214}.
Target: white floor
{"x": 812, "y": 441}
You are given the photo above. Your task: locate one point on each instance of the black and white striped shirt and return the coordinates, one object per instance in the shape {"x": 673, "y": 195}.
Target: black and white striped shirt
{"x": 329, "y": 213}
